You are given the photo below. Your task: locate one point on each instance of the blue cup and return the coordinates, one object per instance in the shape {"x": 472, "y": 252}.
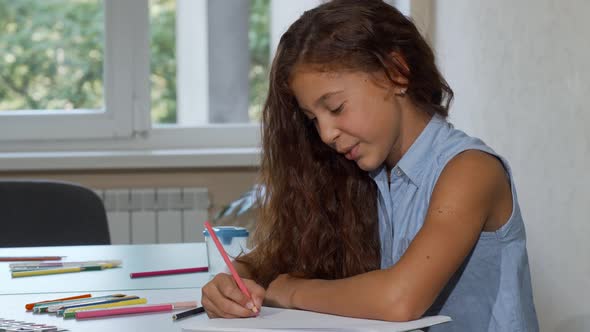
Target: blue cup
{"x": 233, "y": 239}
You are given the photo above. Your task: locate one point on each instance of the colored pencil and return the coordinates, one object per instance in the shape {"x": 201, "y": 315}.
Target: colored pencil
{"x": 29, "y": 306}
{"x": 46, "y": 265}
{"x": 188, "y": 313}
{"x": 60, "y": 310}
{"x": 138, "y": 309}
{"x": 56, "y": 305}
{"x": 71, "y": 313}
{"x": 231, "y": 267}
{"x": 19, "y": 274}
{"x": 168, "y": 272}
{"x": 30, "y": 258}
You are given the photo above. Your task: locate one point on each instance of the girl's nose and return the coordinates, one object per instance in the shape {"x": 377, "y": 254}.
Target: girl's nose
{"x": 328, "y": 130}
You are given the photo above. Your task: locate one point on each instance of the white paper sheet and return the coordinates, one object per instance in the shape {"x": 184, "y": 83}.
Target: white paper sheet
{"x": 273, "y": 319}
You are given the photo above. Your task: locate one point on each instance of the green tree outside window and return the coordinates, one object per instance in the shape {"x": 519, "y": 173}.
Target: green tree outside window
{"x": 52, "y": 56}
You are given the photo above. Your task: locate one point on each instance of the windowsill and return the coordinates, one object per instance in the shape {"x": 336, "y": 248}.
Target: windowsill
{"x": 131, "y": 159}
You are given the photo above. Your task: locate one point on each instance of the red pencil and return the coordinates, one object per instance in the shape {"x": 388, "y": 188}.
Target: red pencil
{"x": 30, "y": 306}
{"x": 30, "y": 258}
{"x": 168, "y": 272}
{"x": 231, "y": 267}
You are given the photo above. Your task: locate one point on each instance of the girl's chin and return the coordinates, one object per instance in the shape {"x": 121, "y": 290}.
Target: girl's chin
{"x": 365, "y": 166}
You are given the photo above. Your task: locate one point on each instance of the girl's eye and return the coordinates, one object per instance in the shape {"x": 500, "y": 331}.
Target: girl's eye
{"x": 312, "y": 120}
{"x": 338, "y": 110}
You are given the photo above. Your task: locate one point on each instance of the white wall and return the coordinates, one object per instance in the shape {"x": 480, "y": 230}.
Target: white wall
{"x": 521, "y": 73}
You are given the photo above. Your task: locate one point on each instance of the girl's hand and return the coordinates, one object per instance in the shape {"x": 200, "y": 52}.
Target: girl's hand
{"x": 222, "y": 298}
{"x": 281, "y": 290}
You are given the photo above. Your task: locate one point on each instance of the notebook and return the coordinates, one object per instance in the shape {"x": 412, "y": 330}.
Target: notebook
{"x": 283, "y": 320}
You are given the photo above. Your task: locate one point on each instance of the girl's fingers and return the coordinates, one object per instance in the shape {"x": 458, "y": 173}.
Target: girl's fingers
{"x": 211, "y": 298}
{"x": 213, "y": 311}
{"x": 256, "y": 291}
{"x": 227, "y": 287}
{"x": 210, "y": 308}
{"x": 227, "y": 306}
{"x": 222, "y": 297}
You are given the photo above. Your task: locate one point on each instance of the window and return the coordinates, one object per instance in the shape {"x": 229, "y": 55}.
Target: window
{"x": 190, "y": 84}
{"x": 209, "y": 63}
{"x": 145, "y": 78}
{"x": 53, "y": 52}
{"x": 52, "y": 84}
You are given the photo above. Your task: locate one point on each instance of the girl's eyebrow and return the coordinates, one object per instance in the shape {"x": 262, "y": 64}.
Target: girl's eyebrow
{"x": 325, "y": 96}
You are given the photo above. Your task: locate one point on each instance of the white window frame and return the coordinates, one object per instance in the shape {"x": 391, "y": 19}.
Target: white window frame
{"x": 121, "y": 91}
{"x": 122, "y": 135}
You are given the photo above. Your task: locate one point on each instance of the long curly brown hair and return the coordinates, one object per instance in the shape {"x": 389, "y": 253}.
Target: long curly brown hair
{"x": 318, "y": 217}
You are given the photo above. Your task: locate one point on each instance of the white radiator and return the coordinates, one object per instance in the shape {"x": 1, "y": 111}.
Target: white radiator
{"x": 156, "y": 215}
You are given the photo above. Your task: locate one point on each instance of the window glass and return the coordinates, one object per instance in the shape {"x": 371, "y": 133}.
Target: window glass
{"x": 209, "y": 61}
{"x": 52, "y": 55}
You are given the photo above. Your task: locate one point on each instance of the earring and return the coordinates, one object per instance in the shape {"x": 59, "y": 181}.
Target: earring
{"x": 402, "y": 92}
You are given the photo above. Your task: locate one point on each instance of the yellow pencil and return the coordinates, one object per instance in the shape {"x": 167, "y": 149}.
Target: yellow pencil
{"x": 61, "y": 270}
{"x": 71, "y": 313}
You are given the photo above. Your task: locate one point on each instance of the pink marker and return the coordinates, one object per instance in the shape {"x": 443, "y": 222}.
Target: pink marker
{"x": 139, "y": 309}
{"x": 168, "y": 272}
{"x": 231, "y": 267}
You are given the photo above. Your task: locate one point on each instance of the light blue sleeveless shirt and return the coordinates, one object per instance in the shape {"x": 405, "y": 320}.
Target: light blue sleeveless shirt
{"x": 492, "y": 289}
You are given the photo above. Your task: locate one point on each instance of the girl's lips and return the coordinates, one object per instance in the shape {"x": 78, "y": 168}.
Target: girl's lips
{"x": 353, "y": 153}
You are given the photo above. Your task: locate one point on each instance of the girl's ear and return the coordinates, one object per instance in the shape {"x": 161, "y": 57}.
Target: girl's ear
{"x": 399, "y": 73}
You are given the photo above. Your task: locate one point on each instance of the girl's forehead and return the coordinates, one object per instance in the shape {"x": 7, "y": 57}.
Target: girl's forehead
{"x": 316, "y": 71}
{"x": 304, "y": 76}
{"x": 331, "y": 71}
{"x": 317, "y": 78}
{"x": 311, "y": 82}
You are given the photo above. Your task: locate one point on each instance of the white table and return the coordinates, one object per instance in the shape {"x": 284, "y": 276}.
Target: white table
{"x": 12, "y": 307}
{"x": 136, "y": 258}
{"x": 16, "y": 292}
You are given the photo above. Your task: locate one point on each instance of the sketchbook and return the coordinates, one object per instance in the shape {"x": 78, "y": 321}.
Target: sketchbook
{"x": 283, "y": 320}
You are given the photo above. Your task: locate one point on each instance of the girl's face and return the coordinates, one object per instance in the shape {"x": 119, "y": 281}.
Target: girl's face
{"x": 357, "y": 114}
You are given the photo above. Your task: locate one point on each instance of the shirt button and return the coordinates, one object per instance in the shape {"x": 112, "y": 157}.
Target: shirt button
{"x": 398, "y": 171}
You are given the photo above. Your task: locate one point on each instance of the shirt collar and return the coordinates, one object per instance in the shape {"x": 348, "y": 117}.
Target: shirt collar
{"x": 411, "y": 163}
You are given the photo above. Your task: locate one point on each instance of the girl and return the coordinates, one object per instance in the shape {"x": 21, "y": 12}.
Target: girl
{"x": 375, "y": 206}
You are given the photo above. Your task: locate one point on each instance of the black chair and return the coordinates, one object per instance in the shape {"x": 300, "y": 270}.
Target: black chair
{"x": 50, "y": 213}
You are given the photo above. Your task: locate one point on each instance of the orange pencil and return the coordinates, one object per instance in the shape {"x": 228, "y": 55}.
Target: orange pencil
{"x": 30, "y": 258}
{"x": 30, "y": 306}
{"x": 231, "y": 267}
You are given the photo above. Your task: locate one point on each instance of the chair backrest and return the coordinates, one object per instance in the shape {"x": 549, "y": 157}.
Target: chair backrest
{"x": 50, "y": 213}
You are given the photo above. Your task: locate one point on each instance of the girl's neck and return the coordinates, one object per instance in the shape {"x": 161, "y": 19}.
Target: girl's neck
{"x": 412, "y": 122}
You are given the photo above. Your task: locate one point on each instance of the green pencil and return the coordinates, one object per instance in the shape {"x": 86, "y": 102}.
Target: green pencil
{"x": 20, "y": 274}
